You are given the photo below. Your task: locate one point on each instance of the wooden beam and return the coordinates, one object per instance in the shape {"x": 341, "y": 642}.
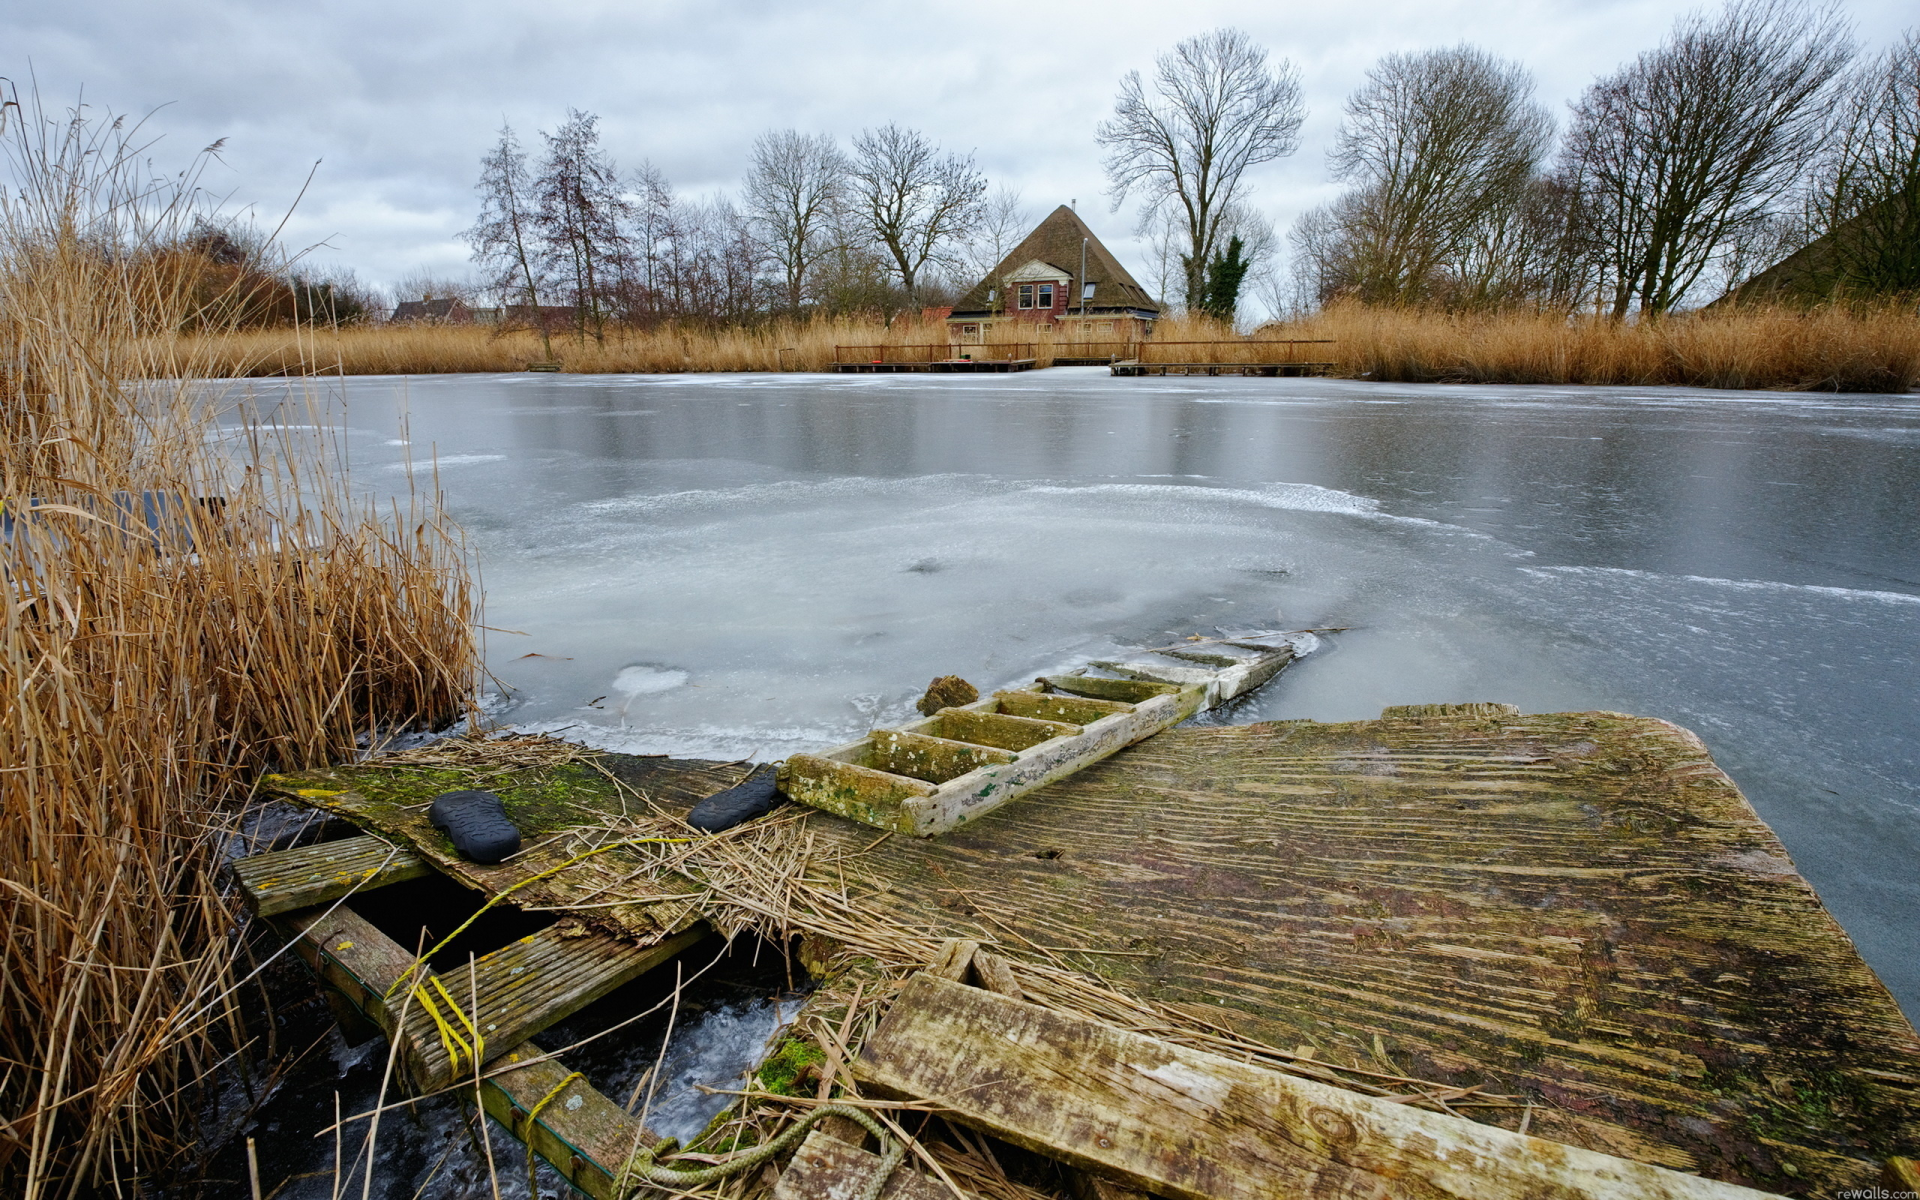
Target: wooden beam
{"x": 826, "y": 1168}
{"x": 510, "y": 994}
{"x": 581, "y": 1133}
{"x": 1050, "y": 706}
{"x": 1192, "y": 1126}
{"x": 284, "y": 880}
{"x": 993, "y": 729}
{"x": 529, "y": 985}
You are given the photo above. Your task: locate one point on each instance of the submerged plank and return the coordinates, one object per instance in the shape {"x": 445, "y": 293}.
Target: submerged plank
{"x": 1193, "y": 1126}
{"x": 283, "y": 880}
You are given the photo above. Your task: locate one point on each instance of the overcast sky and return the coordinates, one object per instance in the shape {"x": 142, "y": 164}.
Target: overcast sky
{"x": 397, "y": 99}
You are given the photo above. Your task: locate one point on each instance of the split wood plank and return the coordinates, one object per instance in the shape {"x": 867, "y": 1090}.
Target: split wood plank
{"x": 581, "y": 1133}
{"x": 826, "y": 1168}
{"x": 509, "y": 995}
{"x": 1193, "y": 1126}
{"x": 283, "y": 880}
{"x": 533, "y": 983}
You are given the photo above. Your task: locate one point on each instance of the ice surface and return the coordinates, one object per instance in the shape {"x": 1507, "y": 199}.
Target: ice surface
{"x": 798, "y": 556}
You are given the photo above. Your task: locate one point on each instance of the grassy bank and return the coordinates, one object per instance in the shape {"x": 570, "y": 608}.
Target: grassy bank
{"x": 187, "y": 605}
{"x": 1824, "y": 350}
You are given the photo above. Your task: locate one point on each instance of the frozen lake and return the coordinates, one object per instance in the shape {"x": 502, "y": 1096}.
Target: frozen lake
{"x": 741, "y": 566}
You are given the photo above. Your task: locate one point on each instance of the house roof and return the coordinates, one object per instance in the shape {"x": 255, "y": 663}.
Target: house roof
{"x": 447, "y": 308}
{"x": 1056, "y": 241}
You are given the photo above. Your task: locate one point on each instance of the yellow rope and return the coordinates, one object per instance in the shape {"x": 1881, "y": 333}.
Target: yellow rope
{"x": 442, "y": 944}
{"x": 450, "y": 1039}
{"x": 533, "y": 1114}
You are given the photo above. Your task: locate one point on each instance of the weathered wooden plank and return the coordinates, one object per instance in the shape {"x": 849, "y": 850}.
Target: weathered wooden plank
{"x": 826, "y": 1168}
{"x": 1576, "y": 907}
{"x": 1236, "y": 678}
{"x": 350, "y": 955}
{"x": 876, "y": 798}
{"x": 993, "y": 729}
{"x": 969, "y": 797}
{"x": 1194, "y": 1126}
{"x": 530, "y": 984}
{"x": 1127, "y": 691}
{"x": 283, "y": 880}
{"x": 1049, "y": 706}
{"x": 839, "y": 781}
{"x": 934, "y": 759}
{"x": 581, "y": 1133}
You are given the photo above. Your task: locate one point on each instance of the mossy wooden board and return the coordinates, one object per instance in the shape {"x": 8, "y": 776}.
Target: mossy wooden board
{"x": 1577, "y": 907}
{"x": 541, "y": 801}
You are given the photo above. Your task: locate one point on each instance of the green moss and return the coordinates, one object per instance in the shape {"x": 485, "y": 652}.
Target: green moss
{"x": 538, "y": 799}
{"x": 792, "y": 1056}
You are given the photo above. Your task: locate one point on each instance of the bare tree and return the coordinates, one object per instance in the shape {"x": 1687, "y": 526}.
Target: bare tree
{"x": 1435, "y": 143}
{"x": 1003, "y": 222}
{"x": 505, "y": 239}
{"x": 1214, "y": 112}
{"x": 1673, "y": 156}
{"x": 1866, "y": 194}
{"x": 792, "y": 189}
{"x": 916, "y": 202}
{"x": 583, "y": 214}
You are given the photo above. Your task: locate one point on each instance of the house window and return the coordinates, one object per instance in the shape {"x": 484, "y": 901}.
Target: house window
{"x": 1046, "y": 296}
{"x": 969, "y": 331}
{"x": 1086, "y": 292}
{"x": 1105, "y": 326}
{"x": 1026, "y": 295}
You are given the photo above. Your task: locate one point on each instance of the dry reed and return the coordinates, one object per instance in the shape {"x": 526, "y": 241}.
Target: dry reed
{"x": 186, "y": 604}
{"x": 1872, "y": 350}
{"x": 1830, "y": 349}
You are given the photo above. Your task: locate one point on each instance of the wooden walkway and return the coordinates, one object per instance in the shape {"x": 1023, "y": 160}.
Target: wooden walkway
{"x": 1577, "y": 908}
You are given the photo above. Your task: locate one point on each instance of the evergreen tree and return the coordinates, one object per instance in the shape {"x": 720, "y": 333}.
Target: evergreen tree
{"x": 1220, "y": 289}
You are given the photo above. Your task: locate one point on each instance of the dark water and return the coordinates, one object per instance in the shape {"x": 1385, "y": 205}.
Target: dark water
{"x": 740, "y": 565}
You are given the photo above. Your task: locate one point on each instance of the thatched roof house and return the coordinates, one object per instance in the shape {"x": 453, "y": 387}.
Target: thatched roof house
{"x": 447, "y": 310}
{"x": 1060, "y": 275}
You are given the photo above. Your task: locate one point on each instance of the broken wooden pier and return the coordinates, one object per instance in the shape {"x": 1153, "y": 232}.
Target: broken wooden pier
{"x": 1454, "y": 951}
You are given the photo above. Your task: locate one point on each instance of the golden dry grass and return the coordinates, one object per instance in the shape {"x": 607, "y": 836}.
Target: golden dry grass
{"x": 1830, "y": 349}
{"x": 149, "y": 670}
{"x": 1827, "y": 349}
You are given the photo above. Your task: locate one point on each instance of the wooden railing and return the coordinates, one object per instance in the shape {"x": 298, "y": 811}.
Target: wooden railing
{"x": 1274, "y": 351}
{"x": 934, "y": 352}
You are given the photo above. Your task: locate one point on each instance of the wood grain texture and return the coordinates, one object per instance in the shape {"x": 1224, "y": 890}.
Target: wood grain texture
{"x": 582, "y": 1134}
{"x": 532, "y": 983}
{"x": 825, "y": 1168}
{"x": 1579, "y": 908}
{"x": 1193, "y": 1126}
{"x": 283, "y": 880}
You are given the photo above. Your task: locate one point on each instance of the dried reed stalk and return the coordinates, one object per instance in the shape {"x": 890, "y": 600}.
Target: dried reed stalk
{"x": 1831, "y": 349}
{"x": 151, "y": 667}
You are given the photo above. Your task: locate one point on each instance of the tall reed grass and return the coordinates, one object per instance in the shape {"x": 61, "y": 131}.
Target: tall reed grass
{"x": 150, "y": 667}
{"x": 1835, "y": 349}
{"x": 1831, "y": 349}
